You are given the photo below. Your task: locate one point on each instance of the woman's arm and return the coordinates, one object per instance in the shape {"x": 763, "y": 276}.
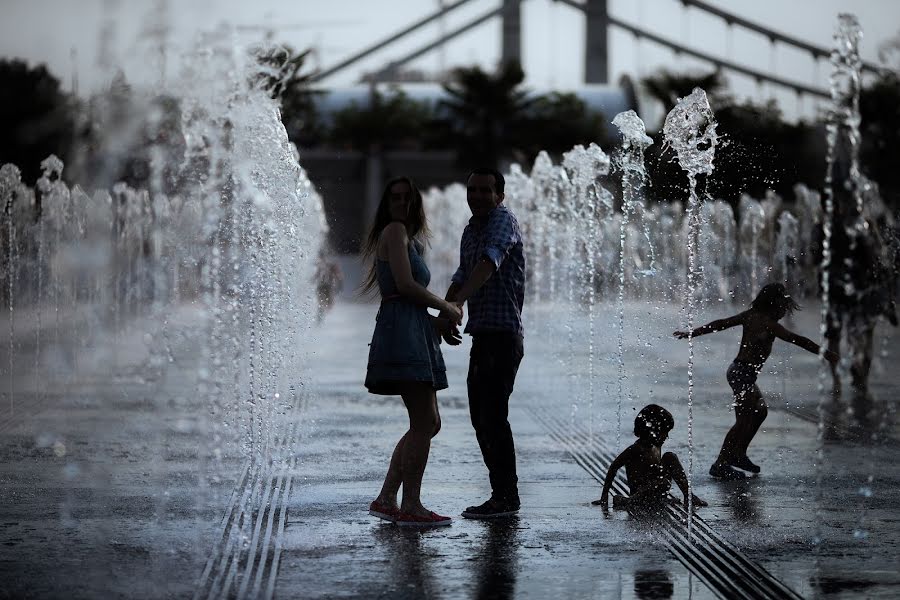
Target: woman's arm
{"x": 396, "y": 242}
{"x": 712, "y": 327}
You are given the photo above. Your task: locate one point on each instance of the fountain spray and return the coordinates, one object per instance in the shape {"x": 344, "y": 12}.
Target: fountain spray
{"x": 587, "y": 165}
{"x": 690, "y": 130}
{"x": 630, "y": 160}
{"x": 842, "y": 137}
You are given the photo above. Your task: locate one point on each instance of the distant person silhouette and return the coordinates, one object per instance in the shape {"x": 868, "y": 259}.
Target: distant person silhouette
{"x": 649, "y": 472}
{"x": 329, "y": 281}
{"x": 862, "y": 287}
{"x": 404, "y": 356}
{"x": 760, "y": 329}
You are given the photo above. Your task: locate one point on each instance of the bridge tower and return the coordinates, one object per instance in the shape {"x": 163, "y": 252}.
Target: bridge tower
{"x": 511, "y": 45}
{"x": 596, "y": 48}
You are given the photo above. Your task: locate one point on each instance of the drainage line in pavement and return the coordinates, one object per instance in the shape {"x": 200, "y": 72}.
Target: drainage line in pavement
{"x": 24, "y": 410}
{"x": 592, "y": 463}
{"x": 231, "y": 513}
{"x": 717, "y": 563}
{"x": 677, "y": 520}
{"x": 276, "y": 555}
{"x": 301, "y": 405}
{"x": 273, "y": 521}
{"x": 259, "y": 562}
{"x": 258, "y": 517}
{"x": 231, "y": 550}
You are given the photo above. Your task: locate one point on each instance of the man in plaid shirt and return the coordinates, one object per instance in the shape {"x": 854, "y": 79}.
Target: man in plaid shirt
{"x": 491, "y": 278}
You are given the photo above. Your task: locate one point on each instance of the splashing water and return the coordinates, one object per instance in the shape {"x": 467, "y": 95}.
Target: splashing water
{"x": 753, "y": 223}
{"x": 630, "y": 160}
{"x": 842, "y": 137}
{"x": 222, "y": 241}
{"x": 690, "y": 130}
{"x": 585, "y": 165}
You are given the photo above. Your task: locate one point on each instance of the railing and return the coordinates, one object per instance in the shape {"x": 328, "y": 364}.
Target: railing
{"x": 388, "y": 40}
{"x": 774, "y": 36}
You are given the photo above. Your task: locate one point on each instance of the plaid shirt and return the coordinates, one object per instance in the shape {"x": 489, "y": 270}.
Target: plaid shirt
{"x": 497, "y": 305}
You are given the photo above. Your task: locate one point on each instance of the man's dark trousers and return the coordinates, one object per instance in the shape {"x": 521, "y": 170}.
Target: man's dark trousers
{"x": 493, "y": 364}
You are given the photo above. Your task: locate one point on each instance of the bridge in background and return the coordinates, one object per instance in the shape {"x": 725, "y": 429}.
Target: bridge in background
{"x": 597, "y": 23}
{"x": 352, "y": 180}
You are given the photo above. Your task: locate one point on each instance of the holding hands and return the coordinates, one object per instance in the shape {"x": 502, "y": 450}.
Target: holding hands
{"x": 448, "y": 322}
{"x": 453, "y": 312}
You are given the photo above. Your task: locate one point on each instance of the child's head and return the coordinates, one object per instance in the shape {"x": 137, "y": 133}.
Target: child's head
{"x": 653, "y": 423}
{"x": 774, "y": 301}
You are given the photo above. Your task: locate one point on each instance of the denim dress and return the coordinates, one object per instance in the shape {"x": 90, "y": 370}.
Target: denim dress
{"x": 405, "y": 346}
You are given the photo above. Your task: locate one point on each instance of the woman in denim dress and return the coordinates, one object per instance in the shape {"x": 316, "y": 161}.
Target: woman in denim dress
{"x": 404, "y": 356}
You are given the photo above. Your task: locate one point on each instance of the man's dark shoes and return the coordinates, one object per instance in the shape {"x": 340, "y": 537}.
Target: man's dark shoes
{"x": 492, "y": 509}
{"x": 746, "y": 464}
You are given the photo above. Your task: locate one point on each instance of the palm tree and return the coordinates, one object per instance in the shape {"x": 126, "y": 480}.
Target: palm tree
{"x": 282, "y": 75}
{"x": 390, "y": 121}
{"x": 488, "y": 112}
{"x": 668, "y": 87}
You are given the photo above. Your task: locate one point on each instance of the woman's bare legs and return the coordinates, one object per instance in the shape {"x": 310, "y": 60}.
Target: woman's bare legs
{"x": 411, "y": 452}
{"x": 393, "y": 479}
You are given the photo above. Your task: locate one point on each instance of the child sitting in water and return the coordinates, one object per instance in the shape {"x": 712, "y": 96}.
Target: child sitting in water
{"x": 649, "y": 473}
{"x": 761, "y": 327}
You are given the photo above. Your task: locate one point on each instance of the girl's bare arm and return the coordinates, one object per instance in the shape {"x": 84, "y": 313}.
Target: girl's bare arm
{"x": 782, "y": 332}
{"x": 712, "y": 326}
{"x": 397, "y": 242}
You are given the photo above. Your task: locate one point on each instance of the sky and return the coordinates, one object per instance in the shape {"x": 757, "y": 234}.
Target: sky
{"x": 86, "y": 39}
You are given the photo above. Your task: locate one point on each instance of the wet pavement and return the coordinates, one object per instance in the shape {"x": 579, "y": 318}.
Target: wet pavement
{"x": 112, "y": 487}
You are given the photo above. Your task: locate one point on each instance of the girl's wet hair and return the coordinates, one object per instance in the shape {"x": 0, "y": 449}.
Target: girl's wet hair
{"x": 774, "y": 300}
{"x": 652, "y": 421}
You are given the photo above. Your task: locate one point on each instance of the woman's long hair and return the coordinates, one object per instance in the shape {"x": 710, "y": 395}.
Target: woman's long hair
{"x": 416, "y": 226}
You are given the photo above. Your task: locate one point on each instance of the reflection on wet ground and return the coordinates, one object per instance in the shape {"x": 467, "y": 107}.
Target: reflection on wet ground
{"x": 495, "y": 573}
{"x": 653, "y": 584}
{"x": 410, "y": 567}
{"x": 741, "y": 500}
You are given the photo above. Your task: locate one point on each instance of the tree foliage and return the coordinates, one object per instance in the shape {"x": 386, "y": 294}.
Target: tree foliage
{"x": 559, "y": 121}
{"x": 391, "y": 121}
{"x": 667, "y": 87}
{"x": 37, "y": 118}
{"x": 488, "y": 113}
{"x": 879, "y": 107}
{"x": 762, "y": 152}
{"x": 284, "y": 76}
